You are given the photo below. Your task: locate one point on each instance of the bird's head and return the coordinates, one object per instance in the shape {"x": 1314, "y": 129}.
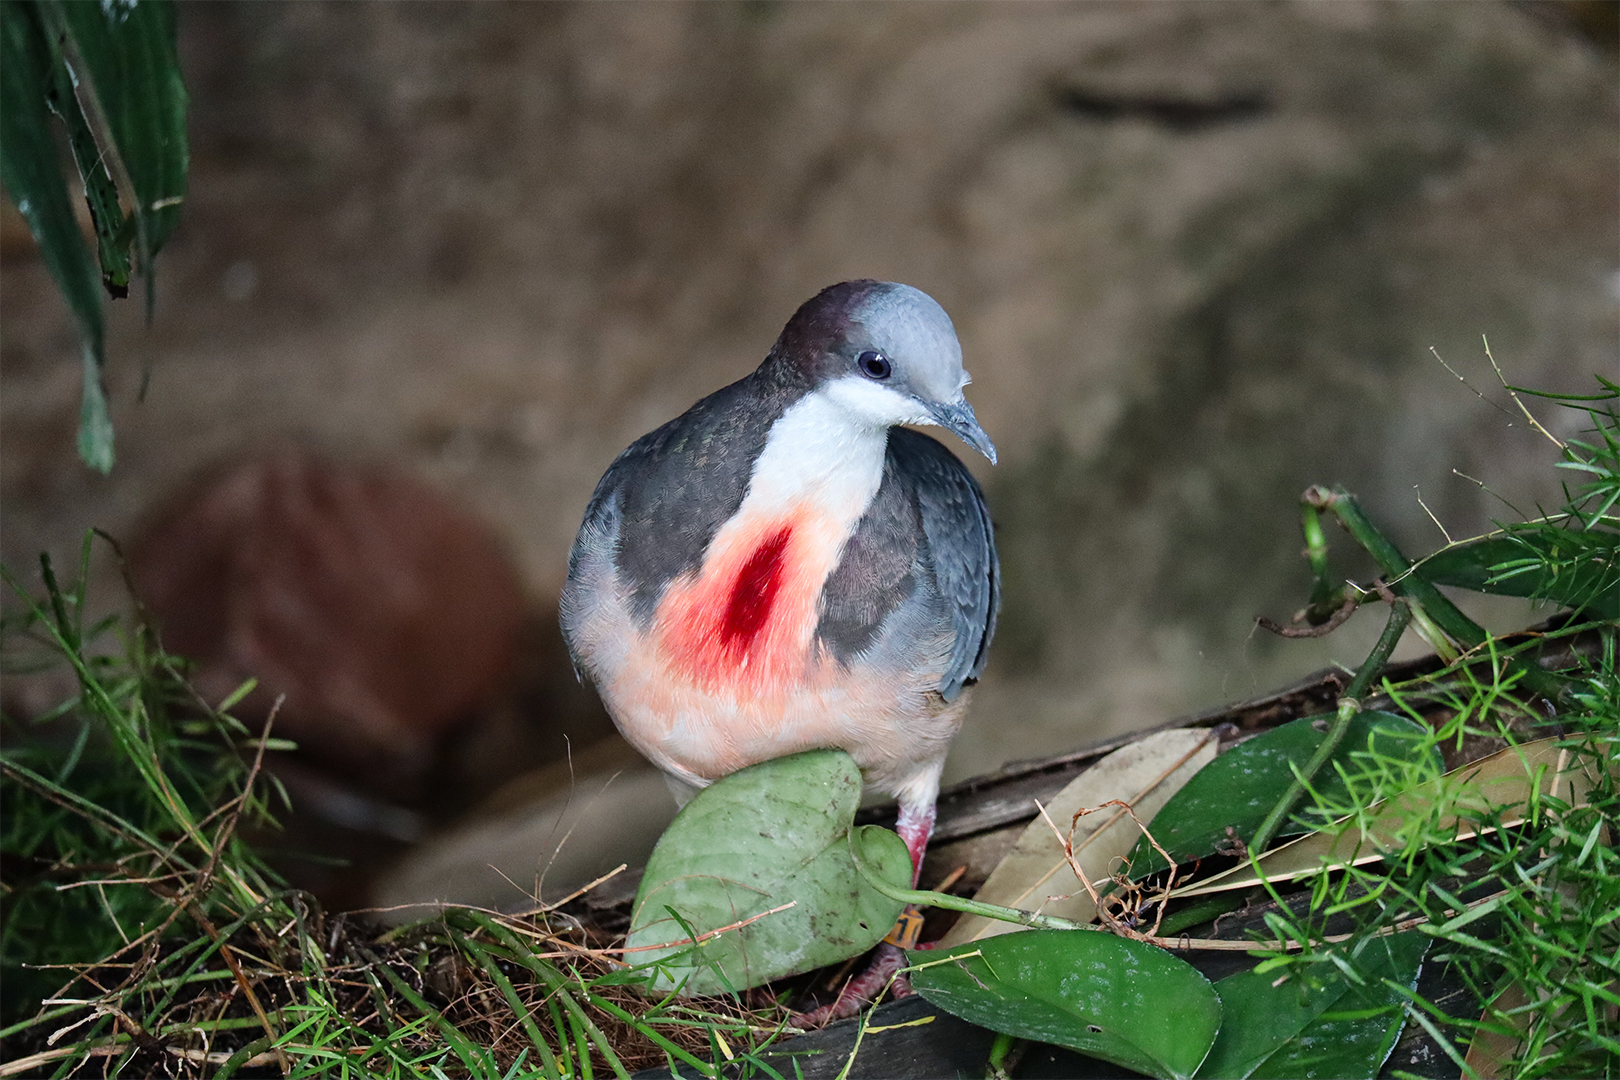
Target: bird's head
{"x": 885, "y": 353}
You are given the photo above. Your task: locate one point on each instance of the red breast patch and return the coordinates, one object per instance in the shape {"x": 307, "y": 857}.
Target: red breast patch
{"x": 745, "y": 623}
{"x": 753, "y": 592}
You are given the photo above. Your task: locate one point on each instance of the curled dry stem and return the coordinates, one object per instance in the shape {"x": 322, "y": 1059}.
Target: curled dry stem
{"x": 1295, "y": 630}
{"x": 1130, "y": 898}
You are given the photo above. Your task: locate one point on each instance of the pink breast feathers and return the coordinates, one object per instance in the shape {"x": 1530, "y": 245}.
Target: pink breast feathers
{"x": 744, "y": 624}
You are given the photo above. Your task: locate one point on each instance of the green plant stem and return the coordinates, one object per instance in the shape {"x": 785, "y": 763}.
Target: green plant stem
{"x": 1201, "y": 912}
{"x": 1432, "y": 605}
{"x": 550, "y": 977}
{"x": 1400, "y": 613}
{"x": 928, "y": 898}
{"x": 1435, "y": 637}
{"x": 553, "y": 980}
{"x": 33, "y": 1021}
{"x": 657, "y": 1039}
{"x": 1397, "y": 569}
{"x": 243, "y": 1055}
{"x": 1325, "y": 592}
{"x": 1004, "y": 1055}
{"x": 66, "y": 628}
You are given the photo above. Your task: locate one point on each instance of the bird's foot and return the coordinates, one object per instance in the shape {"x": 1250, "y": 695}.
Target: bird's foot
{"x": 881, "y": 973}
{"x": 859, "y": 991}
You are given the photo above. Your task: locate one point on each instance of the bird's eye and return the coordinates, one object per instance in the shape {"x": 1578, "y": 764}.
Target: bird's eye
{"x": 873, "y": 364}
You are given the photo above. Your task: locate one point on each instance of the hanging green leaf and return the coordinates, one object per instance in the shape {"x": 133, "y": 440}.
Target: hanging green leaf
{"x": 100, "y": 193}
{"x": 110, "y": 72}
{"x": 1574, "y": 568}
{"x": 1231, "y": 796}
{"x": 127, "y": 81}
{"x": 30, "y": 171}
{"x": 1123, "y": 1001}
{"x": 1281, "y": 1028}
{"x": 772, "y": 834}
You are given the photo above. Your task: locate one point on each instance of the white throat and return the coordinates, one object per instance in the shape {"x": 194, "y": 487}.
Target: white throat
{"x": 827, "y": 451}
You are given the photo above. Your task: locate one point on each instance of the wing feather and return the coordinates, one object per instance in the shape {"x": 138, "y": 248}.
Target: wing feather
{"x": 961, "y": 541}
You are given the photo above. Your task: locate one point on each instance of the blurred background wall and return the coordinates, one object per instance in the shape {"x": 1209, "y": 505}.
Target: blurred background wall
{"x": 1197, "y": 253}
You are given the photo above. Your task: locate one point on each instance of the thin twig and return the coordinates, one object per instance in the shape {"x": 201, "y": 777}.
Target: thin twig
{"x": 229, "y": 956}
{"x": 1528, "y": 415}
{"x": 1472, "y": 388}
{"x": 546, "y": 909}
{"x": 605, "y": 952}
{"x": 1426, "y": 510}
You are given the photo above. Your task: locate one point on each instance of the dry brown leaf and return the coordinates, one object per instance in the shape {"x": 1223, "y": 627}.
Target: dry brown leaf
{"x": 1035, "y": 876}
{"x": 1489, "y": 1052}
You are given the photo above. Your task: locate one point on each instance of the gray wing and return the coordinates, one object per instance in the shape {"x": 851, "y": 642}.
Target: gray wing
{"x": 923, "y": 551}
{"x": 956, "y": 522}
{"x": 670, "y": 492}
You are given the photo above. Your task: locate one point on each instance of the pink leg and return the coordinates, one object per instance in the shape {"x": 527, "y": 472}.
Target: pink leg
{"x": 915, "y": 826}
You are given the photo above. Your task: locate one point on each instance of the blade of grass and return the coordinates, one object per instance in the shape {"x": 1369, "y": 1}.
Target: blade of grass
{"x": 490, "y": 967}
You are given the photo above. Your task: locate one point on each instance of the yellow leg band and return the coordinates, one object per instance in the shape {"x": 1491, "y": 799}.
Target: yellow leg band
{"x": 907, "y": 928}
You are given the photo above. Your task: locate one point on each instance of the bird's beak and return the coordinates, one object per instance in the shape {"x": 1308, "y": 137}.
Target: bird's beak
{"x": 957, "y": 416}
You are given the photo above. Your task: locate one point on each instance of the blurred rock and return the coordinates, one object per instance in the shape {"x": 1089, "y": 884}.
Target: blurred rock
{"x": 387, "y": 615}
{"x": 544, "y": 836}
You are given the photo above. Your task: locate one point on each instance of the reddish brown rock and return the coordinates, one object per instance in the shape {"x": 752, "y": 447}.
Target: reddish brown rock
{"x": 384, "y": 612}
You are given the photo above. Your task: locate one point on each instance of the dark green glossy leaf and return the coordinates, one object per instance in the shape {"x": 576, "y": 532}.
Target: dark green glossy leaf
{"x": 1238, "y": 789}
{"x": 1288, "y": 1029}
{"x": 100, "y": 193}
{"x": 1571, "y": 567}
{"x": 1354, "y": 1037}
{"x": 1122, "y": 1001}
{"x": 109, "y": 70}
{"x": 95, "y": 422}
{"x": 31, "y": 172}
{"x": 762, "y": 837}
{"x": 1259, "y": 1017}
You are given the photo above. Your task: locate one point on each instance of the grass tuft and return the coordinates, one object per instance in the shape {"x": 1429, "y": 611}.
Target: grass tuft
{"x": 141, "y": 936}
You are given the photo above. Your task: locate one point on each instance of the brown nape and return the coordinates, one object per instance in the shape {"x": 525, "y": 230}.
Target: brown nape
{"x": 821, "y": 322}
{"x": 415, "y": 678}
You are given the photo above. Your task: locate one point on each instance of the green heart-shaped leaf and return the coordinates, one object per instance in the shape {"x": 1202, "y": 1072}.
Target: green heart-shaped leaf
{"x": 1123, "y": 1001}
{"x": 765, "y": 836}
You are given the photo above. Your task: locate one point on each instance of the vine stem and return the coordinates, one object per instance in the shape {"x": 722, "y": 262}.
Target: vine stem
{"x": 1431, "y": 608}
{"x": 1400, "y": 614}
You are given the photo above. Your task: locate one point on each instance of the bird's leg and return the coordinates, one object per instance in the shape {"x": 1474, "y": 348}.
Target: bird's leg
{"x": 915, "y": 826}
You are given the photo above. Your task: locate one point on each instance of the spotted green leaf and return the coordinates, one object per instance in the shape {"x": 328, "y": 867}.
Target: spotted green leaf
{"x": 772, "y": 834}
